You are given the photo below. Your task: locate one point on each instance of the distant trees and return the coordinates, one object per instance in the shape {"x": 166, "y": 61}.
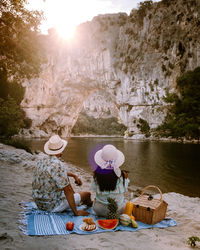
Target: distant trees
{"x": 183, "y": 118}
{"x": 100, "y": 126}
{"x": 21, "y": 56}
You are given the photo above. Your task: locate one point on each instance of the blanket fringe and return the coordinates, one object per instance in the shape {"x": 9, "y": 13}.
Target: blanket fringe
{"x": 23, "y": 229}
{"x": 23, "y": 216}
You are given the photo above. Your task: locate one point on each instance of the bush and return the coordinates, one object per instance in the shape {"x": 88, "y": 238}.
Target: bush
{"x": 164, "y": 68}
{"x": 144, "y": 127}
{"x": 171, "y": 66}
{"x": 156, "y": 82}
{"x": 181, "y": 49}
{"x": 167, "y": 2}
{"x": 12, "y": 89}
{"x": 27, "y": 122}
{"x": 11, "y": 117}
{"x": 192, "y": 241}
{"x": 183, "y": 117}
{"x": 170, "y": 97}
{"x": 151, "y": 86}
{"x": 143, "y": 7}
{"x": 18, "y": 143}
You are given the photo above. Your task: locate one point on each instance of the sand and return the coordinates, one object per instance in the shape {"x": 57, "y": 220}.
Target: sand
{"x": 16, "y": 173}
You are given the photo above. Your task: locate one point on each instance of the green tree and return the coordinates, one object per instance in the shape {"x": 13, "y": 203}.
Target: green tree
{"x": 11, "y": 117}
{"x": 10, "y": 88}
{"x": 21, "y": 52}
{"x": 183, "y": 118}
{"x": 21, "y": 56}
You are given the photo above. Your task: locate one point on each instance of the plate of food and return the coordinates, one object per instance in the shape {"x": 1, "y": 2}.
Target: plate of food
{"x": 88, "y": 225}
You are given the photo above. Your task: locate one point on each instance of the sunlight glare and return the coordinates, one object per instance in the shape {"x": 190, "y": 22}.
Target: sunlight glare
{"x": 61, "y": 15}
{"x": 65, "y": 15}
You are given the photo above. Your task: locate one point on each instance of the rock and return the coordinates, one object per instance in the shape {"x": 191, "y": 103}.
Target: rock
{"x": 129, "y": 61}
{"x": 5, "y": 237}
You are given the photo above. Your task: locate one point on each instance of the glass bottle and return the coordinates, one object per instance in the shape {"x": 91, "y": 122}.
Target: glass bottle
{"x": 129, "y": 206}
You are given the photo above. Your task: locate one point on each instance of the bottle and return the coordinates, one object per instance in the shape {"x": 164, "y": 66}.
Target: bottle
{"x": 129, "y": 207}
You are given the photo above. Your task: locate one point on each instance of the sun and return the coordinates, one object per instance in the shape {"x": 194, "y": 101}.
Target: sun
{"x": 61, "y": 14}
{"x": 66, "y": 32}
{"x": 66, "y": 15}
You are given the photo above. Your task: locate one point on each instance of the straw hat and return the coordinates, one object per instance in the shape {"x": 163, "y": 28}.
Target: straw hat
{"x": 55, "y": 145}
{"x": 109, "y": 158}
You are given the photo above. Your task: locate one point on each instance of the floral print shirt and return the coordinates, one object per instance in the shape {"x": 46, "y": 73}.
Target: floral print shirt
{"x": 50, "y": 178}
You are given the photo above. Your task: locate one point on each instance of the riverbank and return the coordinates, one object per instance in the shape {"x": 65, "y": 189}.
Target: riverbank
{"x": 139, "y": 137}
{"x": 16, "y": 171}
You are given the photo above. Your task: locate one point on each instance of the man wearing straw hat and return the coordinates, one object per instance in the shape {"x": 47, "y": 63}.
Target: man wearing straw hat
{"x": 51, "y": 187}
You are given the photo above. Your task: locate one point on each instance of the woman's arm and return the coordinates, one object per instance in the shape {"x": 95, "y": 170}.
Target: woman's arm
{"x": 125, "y": 174}
{"x": 77, "y": 180}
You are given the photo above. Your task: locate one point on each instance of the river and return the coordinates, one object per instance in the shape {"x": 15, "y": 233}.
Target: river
{"x": 173, "y": 167}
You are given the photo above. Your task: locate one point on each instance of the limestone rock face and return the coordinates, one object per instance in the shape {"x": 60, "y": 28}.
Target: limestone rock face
{"x": 123, "y": 64}
{"x": 100, "y": 105}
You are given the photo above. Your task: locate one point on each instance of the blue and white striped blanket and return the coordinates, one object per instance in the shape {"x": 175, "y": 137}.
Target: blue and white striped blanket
{"x": 37, "y": 222}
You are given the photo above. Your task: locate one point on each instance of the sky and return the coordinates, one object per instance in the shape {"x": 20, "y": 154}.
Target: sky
{"x": 65, "y": 15}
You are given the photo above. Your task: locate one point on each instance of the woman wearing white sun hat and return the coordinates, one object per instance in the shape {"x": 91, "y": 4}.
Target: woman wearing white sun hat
{"x": 109, "y": 180}
{"x": 51, "y": 187}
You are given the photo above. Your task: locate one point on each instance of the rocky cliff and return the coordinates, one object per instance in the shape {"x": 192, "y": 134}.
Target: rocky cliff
{"x": 127, "y": 62}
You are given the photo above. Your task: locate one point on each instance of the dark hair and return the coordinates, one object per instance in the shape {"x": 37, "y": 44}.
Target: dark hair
{"x": 107, "y": 181}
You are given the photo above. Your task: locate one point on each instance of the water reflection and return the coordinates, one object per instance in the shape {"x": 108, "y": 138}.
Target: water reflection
{"x": 173, "y": 167}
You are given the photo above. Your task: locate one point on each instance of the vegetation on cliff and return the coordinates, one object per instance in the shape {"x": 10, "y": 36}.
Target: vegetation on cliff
{"x": 21, "y": 55}
{"x": 144, "y": 127}
{"x": 183, "y": 118}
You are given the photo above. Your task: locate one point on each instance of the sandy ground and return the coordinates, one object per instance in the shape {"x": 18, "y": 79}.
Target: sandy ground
{"x": 16, "y": 173}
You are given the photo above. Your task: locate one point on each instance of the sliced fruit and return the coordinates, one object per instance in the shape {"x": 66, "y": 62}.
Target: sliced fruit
{"x": 108, "y": 224}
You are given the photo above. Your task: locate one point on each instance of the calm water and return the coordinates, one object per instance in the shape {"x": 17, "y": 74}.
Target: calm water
{"x": 173, "y": 167}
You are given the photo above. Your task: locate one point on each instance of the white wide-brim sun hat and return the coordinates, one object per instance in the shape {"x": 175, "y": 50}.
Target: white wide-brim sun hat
{"x": 109, "y": 157}
{"x": 55, "y": 145}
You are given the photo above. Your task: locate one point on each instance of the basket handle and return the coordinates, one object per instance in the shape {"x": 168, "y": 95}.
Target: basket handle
{"x": 151, "y": 186}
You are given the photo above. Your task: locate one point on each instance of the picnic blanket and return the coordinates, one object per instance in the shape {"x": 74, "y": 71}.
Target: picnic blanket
{"x": 36, "y": 222}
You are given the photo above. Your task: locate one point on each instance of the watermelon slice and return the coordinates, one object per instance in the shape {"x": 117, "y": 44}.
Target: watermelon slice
{"x": 108, "y": 224}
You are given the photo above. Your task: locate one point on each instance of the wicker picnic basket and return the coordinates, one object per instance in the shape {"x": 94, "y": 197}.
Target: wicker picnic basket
{"x": 148, "y": 209}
